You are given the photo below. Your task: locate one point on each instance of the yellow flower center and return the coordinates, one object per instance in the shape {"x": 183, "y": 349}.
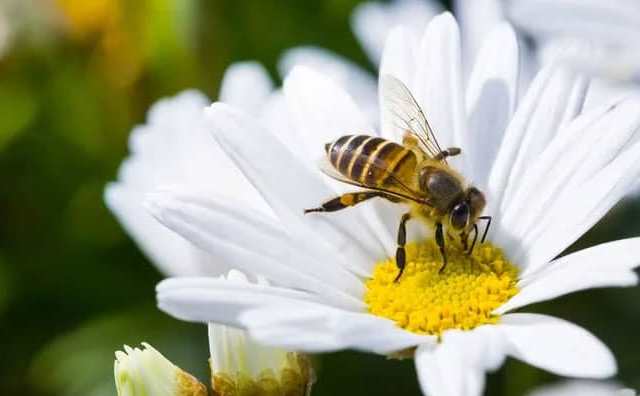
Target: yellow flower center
{"x": 426, "y": 301}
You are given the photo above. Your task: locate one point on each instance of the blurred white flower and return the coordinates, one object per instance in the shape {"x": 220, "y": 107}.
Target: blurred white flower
{"x": 582, "y": 388}
{"x": 145, "y": 372}
{"x": 372, "y": 21}
{"x": 594, "y": 36}
{"x": 242, "y": 367}
{"x": 545, "y": 183}
{"x": 605, "y": 25}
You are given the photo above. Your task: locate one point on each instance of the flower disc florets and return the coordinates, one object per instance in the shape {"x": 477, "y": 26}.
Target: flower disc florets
{"x": 427, "y": 301}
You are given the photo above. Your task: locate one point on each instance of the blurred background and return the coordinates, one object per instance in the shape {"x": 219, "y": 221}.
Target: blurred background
{"x": 75, "y": 77}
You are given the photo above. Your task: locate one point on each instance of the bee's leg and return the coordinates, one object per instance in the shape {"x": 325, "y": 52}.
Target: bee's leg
{"x": 345, "y": 201}
{"x": 486, "y": 229}
{"x": 475, "y": 238}
{"x": 401, "y": 256}
{"x": 464, "y": 237}
{"x": 440, "y": 242}
{"x": 449, "y": 152}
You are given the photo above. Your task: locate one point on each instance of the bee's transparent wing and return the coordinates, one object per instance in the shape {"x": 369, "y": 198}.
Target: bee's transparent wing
{"x": 404, "y": 192}
{"x": 406, "y": 115}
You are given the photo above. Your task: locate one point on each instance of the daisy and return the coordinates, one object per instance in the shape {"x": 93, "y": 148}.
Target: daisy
{"x": 545, "y": 185}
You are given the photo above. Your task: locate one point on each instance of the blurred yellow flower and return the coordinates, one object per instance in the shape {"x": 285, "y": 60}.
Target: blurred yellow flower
{"x": 101, "y": 24}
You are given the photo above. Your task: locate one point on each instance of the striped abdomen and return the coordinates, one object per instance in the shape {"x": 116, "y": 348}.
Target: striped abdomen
{"x": 371, "y": 160}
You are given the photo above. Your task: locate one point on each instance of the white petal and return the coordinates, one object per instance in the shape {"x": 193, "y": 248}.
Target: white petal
{"x": 438, "y": 86}
{"x": 568, "y": 163}
{"x": 289, "y": 187}
{"x": 549, "y": 102}
{"x": 218, "y": 300}
{"x": 397, "y": 61}
{"x": 276, "y": 117}
{"x": 555, "y": 166}
{"x": 557, "y": 346}
{"x": 167, "y": 250}
{"x": 315, "y": 328}
{"x": 174, "y": 147}
{"x": 358, "y": 82}
{"x": 236, "y": 281}
{"x": 372, "y": 21}
{"x": 321, "y": 110}
{"x": 246, "y": 85}
{"x": 246, "y": 241}
{"x": 477, "y": 20}
{"x": 606, "y": 265}
{"x": 491, "y": 99}
{"x": 597, "y": 195}
{"x": 602, "y": 91}
{"x": 457, "y": 365}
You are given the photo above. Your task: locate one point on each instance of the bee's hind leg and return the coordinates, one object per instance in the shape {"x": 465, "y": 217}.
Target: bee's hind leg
{"x": 440, "y": 242}
{"x": 401, "y": 256}
{"x": 345, "y": 201}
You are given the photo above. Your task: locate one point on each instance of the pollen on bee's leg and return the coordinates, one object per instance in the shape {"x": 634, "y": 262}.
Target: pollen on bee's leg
{"x": 427, "y": 301}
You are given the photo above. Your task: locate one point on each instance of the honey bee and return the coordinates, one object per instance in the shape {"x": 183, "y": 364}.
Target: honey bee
{"x": 414, "y": 173}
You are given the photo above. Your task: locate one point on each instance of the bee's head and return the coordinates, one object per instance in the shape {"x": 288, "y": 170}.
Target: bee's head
{"x": 464, "y": 213}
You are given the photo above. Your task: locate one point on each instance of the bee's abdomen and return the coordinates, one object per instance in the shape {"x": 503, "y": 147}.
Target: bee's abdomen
{"x": 369, "y": 160}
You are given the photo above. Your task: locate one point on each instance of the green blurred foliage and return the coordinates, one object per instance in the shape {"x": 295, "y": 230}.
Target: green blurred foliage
{"x": 73, "y": 287}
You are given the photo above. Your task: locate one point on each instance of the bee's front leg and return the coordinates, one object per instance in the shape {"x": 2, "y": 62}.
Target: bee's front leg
{"x": 464, "y": 238}
{"x": 440, "y": 242}
{"x": 475, "y": 238}
{"x": 401, "y": 256}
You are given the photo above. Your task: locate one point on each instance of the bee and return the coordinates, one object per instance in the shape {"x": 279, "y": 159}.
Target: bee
{"x": 414, "y": 173}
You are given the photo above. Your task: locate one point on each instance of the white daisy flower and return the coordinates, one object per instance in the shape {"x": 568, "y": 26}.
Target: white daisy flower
{"x": 549, "y": 174}
{"x": 144, "y": 371}
{"x": 582, "y": 388}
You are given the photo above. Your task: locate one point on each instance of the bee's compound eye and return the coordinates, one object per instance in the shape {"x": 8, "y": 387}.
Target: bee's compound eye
{"x": 460, "y": 216}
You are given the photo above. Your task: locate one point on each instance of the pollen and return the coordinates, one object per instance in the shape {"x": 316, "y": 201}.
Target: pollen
{"x": 427, "y": 301}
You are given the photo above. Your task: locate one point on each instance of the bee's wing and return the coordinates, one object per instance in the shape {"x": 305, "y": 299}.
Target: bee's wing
{"x": 403, "y": 192}
{"x": 406, "y": 115}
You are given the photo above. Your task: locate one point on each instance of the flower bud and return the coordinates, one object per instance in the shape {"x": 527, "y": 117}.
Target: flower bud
{"x": 145, "y": 372}
{"x": 242, "y": 367}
